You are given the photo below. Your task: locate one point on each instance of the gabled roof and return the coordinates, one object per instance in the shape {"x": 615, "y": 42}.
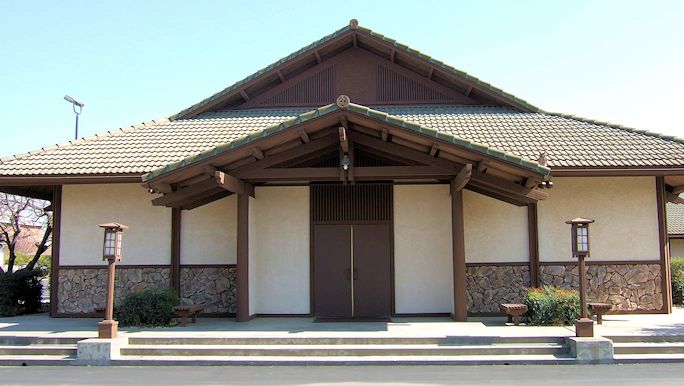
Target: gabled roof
{"x": 569, "y": 141}
{"x": 352, "y": 32}
{"x": 376, "y": 114}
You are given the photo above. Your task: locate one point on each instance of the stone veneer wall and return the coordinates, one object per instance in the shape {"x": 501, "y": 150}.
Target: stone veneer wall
{"x": 629, "y": 287}
{"x": 82, "y": 290}
{"x": 490, "y": 285}
{"x": 217, "y": 286}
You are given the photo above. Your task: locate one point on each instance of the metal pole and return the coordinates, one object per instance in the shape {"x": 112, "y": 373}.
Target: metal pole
{"x": 76, "y": 136}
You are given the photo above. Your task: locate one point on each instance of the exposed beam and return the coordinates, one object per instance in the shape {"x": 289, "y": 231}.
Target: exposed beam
{"x": 210, "y": 170}
{"x": 304, "y": 136}
{"x": 318, "y": 57}
{"x": 233, "y": 185}
{"x": 344, "y": 143}
{"x": 434, "y": 149}
{"x": 179, "y": 195}
{"x": 462, "y": 178}
{"x": 204, "y": 200}
{"x": 350, "y": 172}
{"x": 299, "y": 151}
{"x": 430, "y": 73}
{"x": 392, "y": 55}
{"x": 244, "y": 95}
{"x": 385, "y": 135}
{"x": 258, "y": 154}
{"x": 281, "y": 76}
{"x": 163, "y": 188}
{"x": 678, "y": 189}
{"x": 469, "y": 91}
{"x": 360, "y": 173}
{"x": 355, "y": 41}
{"x": 482, "y": 166}
{"x": 531, "y": 182}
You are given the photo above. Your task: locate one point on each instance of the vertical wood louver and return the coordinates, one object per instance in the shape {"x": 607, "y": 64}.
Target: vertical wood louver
{"x": 351, "y": 203}
{"x": 393, "y": 87}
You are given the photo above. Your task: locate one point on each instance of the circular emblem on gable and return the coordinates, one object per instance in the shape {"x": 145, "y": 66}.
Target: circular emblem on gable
{"x": 343, "y": 101}
{"x": 353, "y": 23}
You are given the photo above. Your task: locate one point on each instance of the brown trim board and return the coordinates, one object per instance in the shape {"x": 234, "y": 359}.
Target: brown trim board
{"x": 533, "y": 244}
{"x": 176, "y": 215}
{"x": 56, "y": 238}
{"x": 70, "y": 179}
{"x": 664, "y": 245}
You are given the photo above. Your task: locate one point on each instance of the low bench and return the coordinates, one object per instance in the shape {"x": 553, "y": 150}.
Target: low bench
{"x": 600, "y": 309}
{"x": 513, "y": 311}
{"x": 188, "y": 311}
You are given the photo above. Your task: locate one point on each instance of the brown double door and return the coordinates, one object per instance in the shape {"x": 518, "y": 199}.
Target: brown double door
{"x": 352, "y": 265}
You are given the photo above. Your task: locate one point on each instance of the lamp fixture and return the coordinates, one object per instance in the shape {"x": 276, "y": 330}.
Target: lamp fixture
{"x": 75, "y": 103}
{"x": 346, "y": 162}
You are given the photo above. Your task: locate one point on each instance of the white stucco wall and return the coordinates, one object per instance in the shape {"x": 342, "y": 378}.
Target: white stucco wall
{"x": 677, "y": 247}
{"x": 495, "y": 231}
{"x": 147, "y": 241}
{"x": 209, "y": 233}
{"x": 423, "y": 261}
{"x": 279, "y": 249}
{"x": 625, "y": 211}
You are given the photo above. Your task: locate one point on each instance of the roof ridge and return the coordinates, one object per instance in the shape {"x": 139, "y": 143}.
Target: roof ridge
{"x": 665, "y": 137}
{"x": 82, "y": 140}
{"x": 353, "y": 25}
{"x": 323, "y": 110}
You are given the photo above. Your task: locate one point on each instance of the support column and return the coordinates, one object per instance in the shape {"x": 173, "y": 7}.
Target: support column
{"x": 243, "y": 258}
{"x": 54, "y": 263}
{"x": 664, "y": 245}
{"x": 533, "y": 232}
{"x": 175, "y": 249}
{"x": 458, "y": 244}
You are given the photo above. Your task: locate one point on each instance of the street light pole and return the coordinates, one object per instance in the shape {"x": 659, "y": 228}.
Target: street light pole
{"x": 75, "y": 103}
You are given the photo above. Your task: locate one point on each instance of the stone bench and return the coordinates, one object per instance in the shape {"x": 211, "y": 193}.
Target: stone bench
{"x": 513, "y": 311}
{"x": 188, "y": 311}
{"x": 599, "y": 309}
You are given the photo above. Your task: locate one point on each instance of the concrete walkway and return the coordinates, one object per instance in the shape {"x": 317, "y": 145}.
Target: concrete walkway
{"x": 614, "y": 325}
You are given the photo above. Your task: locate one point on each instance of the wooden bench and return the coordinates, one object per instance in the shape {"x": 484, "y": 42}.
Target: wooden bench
{"x": 513, "y": 311}
{"x": 600, "y": 309}
{"x": 188, "y": 311}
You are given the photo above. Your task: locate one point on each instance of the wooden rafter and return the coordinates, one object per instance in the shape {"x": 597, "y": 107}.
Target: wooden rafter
{"x": 206, "y": 200}
{"x": 304, "y": 136}
{"x": 385, "y": 135}
{"x": 434, "y": 149}
{"x": 244, "y": 95}
{"x": 171, "y": 199}
{"x": 233, "y": 185}
{"x": 344, "y": 143}
{"x": 258, "y": 154}
{"x": 482, "y": 166}
{"x": 462, "y": 178}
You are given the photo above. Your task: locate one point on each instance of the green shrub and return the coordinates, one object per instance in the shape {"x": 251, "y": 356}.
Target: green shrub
{"x": 551, "y": 306}
{"x": 677, "y": 270}
{"x": 147, "y": 308}
{"x": 20, "y": 292}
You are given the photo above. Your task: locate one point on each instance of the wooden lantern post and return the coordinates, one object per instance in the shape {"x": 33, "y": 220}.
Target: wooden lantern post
{"x": 584, "y": 327}
{"x": 111, "y": 252}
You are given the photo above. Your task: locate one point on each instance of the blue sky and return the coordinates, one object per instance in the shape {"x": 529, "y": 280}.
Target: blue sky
{"x": 133, "y": 61}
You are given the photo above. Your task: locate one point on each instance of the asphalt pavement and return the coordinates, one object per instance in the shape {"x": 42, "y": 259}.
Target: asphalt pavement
{"x": 633, "y": 374}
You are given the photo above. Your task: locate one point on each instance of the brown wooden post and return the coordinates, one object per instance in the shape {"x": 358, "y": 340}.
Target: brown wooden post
{"x": 583, "y": 287}
{"x": 533, "y": 232}
{"x": 54, "y": 263}
{"x": 243, "y": 258}
{"x": 175, "y": 249}
{"x": 459, "y": 264}
{"x": 108, "y": 328}
{"x": 665, "y": 274}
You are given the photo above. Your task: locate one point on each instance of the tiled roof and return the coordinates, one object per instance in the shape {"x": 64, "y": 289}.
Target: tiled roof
{"x": 569, "y": 141}
{"x": 398, "y": 46}
{"x": 373, "y": 113}
{"x": 675, "y": 219}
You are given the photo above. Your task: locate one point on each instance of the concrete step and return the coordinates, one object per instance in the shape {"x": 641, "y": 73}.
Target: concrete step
{"x": 649, "y": 358}
{"x": 646, "y": 338}
{"x": 33, "y": 340}
{"x": 60, "y": 350}
{"x": 131, "y": 360}
{"x": 450, "y": 341}
{"x": 36, "y": 360}
{"x": 362, "y": 350}
{"x": 649, "y": 348}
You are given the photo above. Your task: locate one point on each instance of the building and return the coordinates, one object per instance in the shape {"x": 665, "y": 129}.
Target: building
{"x": 358, "y": 177}
{"x": 675, "y": 228}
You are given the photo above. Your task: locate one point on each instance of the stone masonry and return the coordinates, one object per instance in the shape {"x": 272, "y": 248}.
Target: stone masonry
{"x": 217, "y": 286}
{"x": 84, "y": 290}
{"x": 628, "y": 287}
{"x": 489, "y": 285}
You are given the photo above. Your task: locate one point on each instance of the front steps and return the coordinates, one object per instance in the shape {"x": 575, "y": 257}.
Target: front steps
{"x": 37, "y": 350}
{"x": 639, "y": 348}
{"x": 319, "y": 351}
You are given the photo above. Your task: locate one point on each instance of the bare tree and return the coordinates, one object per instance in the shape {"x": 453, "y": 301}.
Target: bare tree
{"x": 16, "y": 214}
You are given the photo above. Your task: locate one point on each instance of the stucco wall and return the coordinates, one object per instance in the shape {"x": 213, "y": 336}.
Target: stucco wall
{"x": 677, "y": 247}
{"x": 423, "y": 272}
{"x": 280, "y": 250}
{"x": 495, "y": 231}
{"x": 208, "y": 233}
{"x": 625, "y": 211}
{"x": 148, "y": 241}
